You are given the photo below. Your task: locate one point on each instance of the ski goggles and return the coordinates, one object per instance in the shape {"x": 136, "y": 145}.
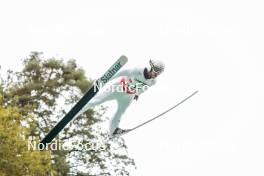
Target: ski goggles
{"x": 155, "y": 71}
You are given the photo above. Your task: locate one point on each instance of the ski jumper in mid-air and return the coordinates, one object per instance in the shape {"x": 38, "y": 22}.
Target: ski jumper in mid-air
{"x": 127, "y": 86}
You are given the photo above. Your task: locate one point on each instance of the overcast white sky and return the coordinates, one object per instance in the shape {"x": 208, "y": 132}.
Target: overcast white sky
{"x": 215, "y": 47}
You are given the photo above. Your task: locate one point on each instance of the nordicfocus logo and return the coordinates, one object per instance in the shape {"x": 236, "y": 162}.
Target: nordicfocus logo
{"x": 106, "y": 77}
{"x": 124, "y": 86}
{"x": 58, "y": 145}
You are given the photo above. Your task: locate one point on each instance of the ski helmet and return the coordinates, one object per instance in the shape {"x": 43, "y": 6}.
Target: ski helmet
{"x": 157, "y": 66}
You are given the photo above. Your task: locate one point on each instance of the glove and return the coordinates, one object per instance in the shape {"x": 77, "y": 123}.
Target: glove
{"x": 136, "y": 97}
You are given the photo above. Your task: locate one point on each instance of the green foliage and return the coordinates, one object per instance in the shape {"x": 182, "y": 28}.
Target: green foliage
{"x": 15, "y": 158}
{"x": 41, "y": 92}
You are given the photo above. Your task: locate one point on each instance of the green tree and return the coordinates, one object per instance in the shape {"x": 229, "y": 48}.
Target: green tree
{"x": 15, "y": 158}
{"x": 43, "y": 90}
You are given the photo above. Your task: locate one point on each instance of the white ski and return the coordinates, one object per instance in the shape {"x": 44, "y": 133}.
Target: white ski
{"x": 148, "y": 121}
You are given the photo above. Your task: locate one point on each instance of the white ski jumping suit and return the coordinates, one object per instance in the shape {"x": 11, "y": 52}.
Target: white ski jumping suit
{"x": 126, "y": 85}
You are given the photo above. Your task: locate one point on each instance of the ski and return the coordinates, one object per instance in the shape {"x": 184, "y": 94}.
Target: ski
{"x": 156, "y": 117}
{"x": 84, "y": 100}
